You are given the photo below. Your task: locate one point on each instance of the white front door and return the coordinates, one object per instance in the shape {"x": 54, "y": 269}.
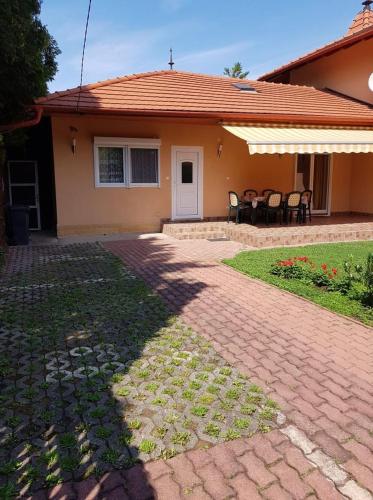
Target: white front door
{"x": 187, "y": 183}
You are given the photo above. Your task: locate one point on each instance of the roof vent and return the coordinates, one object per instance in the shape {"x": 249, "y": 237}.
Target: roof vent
{"x": 245, "y": 87}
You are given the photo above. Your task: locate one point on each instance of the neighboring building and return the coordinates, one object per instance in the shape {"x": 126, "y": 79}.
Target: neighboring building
{"x": 344, "y": 66}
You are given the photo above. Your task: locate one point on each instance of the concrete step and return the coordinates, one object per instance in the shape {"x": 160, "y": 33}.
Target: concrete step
{"x": 200, "y": 235}
{"x": 195, "y": 231}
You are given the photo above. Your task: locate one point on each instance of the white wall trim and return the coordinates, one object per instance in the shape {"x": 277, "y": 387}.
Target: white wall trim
{"x": 194, "y": 149}
{"x": 127, "y": 141}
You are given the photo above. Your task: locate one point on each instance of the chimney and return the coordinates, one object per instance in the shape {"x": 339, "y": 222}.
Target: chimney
{"x": 363, "y": 20}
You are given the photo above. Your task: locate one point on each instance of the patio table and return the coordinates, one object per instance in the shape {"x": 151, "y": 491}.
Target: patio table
{"x": 253, "y": 205}
{"x": 258, "y": 201}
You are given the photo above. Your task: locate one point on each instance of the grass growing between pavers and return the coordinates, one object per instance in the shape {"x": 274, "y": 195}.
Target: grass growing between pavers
{"x": 258, "y": 264}
{"x": 96, "y": 374}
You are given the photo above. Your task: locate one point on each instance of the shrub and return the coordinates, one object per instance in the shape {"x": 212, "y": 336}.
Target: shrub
{"x": 302, "y": 268}
{"x": 287, "y": 269}
{"x": 368, "y": 281}
{"x": 321, "y": 279}
{"x": 353, "y": 272}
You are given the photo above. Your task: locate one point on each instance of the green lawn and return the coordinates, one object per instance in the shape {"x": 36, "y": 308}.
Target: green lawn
{"x": 257, "y": 264}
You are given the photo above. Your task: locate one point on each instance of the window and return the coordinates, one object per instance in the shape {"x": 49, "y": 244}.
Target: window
{"x": 144, "y": 166}
{"x": 187, "y": 172}
{"x": 111, "y": 165}
{"x": 126, "y": 162}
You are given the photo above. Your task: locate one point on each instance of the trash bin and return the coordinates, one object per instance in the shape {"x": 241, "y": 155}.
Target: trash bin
{"x": 18, "y": 224}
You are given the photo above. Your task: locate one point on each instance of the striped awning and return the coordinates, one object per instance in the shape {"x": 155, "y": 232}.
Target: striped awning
{"x": 281, "y": 140}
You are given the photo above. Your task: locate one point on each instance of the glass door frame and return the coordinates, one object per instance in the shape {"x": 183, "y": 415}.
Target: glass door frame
{"x": 327, "y": 211}
{"x": 34, "y": 184}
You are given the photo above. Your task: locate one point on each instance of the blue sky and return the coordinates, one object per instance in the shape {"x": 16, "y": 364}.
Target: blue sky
{"x": 134, "y": 36}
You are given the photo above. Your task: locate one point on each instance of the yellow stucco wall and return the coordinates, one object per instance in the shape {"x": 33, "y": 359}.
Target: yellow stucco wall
{"x": 362, "y": 183}
{"x": 346, "y": 71}
{"x": 341, "y": 183}
{"x": 83, "y": 208}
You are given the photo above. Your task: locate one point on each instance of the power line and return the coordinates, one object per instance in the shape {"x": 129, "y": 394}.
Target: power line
{"x": 83, "y": 54}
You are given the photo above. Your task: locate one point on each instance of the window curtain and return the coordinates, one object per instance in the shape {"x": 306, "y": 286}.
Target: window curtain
{"x": 111, "y": 165}
{"x": 303, "y": 172}
{"x": 144, "y": 166}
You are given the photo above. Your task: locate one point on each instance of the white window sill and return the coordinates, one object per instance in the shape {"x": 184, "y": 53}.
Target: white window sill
{"x": 111, "y": 185}
{"x": 126, "y": 186}
{"x": 144, "y": 185}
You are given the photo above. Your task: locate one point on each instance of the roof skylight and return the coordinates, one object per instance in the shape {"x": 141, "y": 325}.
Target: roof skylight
{"x": 245, "y": 87}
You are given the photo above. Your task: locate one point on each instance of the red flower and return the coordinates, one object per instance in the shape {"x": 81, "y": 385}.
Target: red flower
{"x": 302, "y": 259}
{"x": 324, "y": 267}
{"x": 334, "y": 271}
{"x": 286, "y": 263}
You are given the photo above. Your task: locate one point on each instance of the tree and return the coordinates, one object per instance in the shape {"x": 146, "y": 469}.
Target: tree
{"x": 27, "y": 58}
{"x": 236, "y": 71}
{"x": 27, "y": 63}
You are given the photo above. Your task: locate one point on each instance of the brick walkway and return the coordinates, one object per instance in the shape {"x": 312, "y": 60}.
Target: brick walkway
{"x": 317, "y": 365}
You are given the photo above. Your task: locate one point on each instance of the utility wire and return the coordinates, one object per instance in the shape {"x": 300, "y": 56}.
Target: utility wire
{"x": 83, "y": 54}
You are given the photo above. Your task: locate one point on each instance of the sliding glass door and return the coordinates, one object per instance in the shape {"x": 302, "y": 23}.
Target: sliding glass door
{"x": 314, "y": 172}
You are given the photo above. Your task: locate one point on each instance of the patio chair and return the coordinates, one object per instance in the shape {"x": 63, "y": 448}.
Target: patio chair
{"x": 306, "y": 195}
{"x": 273, "y": 205}
{"x": 293, "y": 203}
{"x": 267, "y": 192}
{"x": 235, "y": 204}
{"x": 249, "y": 194}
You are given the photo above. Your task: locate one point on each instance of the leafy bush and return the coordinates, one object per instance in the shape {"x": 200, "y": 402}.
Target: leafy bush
{"x": 324, "y": 277}
{"x": 288, "y": 269}
{"x": 302, "y": 268}
{"x": 353, "y": 272}
{"x": 357, "y": 281}
{"x": 368, "y": 281}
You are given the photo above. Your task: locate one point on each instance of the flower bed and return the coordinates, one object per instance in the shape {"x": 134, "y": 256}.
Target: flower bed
{"x": 337, "y": 276}
{"x": 355, "y": 280}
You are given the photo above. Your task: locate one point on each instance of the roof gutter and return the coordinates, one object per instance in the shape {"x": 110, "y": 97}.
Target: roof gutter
{"x": 242, "y": 117}
{"x": 10, "y": 127}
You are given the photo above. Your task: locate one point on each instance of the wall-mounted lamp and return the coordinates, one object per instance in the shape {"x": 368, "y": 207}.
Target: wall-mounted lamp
{"x": 219, "y": 149}
{"x": 73, "y": 132}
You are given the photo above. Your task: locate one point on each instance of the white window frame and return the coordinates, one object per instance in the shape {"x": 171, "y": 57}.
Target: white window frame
{"x": 126, "y": 144}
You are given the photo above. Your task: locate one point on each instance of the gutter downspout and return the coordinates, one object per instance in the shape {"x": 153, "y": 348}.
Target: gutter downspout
{"x": 26, "y": 123}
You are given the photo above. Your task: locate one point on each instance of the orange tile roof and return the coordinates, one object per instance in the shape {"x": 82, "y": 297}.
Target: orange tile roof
{"x": 363, "y": 20}
{"x": 176, "y": 93}
{"x": 326, "y": 50}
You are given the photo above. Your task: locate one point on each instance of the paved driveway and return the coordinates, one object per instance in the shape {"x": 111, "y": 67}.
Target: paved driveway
{"x": 316, "y": 364}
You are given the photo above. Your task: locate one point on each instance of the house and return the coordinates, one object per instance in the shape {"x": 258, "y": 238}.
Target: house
{"x": 344, "y": 65}
{"x": 130, "y": 153}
